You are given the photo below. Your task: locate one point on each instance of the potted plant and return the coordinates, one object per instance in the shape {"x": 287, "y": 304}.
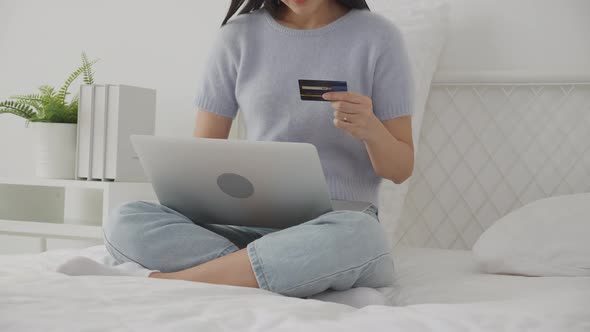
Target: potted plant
{"x": 54, "y": 121}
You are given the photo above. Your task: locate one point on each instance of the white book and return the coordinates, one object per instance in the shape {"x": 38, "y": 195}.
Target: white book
{"x": 131, "y": 110}
{"x": 84, "y": 131}
{"x": 98, "y": 132}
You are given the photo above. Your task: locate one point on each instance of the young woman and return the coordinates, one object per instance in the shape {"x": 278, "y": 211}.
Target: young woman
{"x": 361, "y": 136}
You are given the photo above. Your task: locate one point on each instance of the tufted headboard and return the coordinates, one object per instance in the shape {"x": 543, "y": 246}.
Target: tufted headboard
{"x": 486, "y": 149}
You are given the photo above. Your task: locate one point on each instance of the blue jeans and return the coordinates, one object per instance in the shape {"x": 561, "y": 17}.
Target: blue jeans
{"x": 338, "y": 250}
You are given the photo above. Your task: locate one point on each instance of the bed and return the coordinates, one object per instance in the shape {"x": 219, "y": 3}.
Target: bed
{"x": 438, "y": 290}
{"x": 438, "y": 284}
{"x": 426, "y": 275}
{"x": 469, "y": 172}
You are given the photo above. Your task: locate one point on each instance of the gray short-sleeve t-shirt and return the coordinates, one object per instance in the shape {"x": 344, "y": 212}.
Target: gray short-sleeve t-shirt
{"x": 254, "y": 67}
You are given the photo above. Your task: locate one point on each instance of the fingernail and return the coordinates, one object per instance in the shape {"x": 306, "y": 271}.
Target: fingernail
{"x": 326, "y": 95}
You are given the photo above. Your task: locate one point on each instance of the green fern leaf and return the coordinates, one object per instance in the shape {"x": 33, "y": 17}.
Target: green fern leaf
{"x": 17, "y": 108}
{"x": 33, "y": 100}
{"x": 72, "y": 109}
{"x": 88, "y": 73}
{"x": 76, "y": 96}
{"x": 63, "y": 92}
{"x": 35, "y": 97}
{"x": 47, "y": 91}
{"x": 75, "y": 100}
{"x": 9, "y": 111}
{"x": 36, "y": 104}
{"x": 50, "y": 104}
{"x": 85, "y": 69}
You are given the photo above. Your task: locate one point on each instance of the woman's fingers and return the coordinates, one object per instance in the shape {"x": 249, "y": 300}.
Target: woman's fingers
{"x": 346, "y": 117}
{"x": 353, "y": 112}
{"x": 346, "y": 125}
{"x": 347, "y": 107}
{"x": 348, "y": 96}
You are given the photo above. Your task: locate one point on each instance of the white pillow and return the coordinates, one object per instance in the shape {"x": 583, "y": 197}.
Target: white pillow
{"x": 548, "y": 237}
{"x": 424, "y": 25}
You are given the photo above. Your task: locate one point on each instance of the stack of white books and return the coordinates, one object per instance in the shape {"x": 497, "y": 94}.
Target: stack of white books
{"x": 107, "y": 115}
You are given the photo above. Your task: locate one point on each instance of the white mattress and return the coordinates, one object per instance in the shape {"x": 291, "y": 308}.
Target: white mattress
{"x": 33, "y": 298}
{"x": 452, "y": 276}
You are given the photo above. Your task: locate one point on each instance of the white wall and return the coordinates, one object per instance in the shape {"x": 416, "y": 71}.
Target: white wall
{"x": 543, "y": 39}
{"x": 156, "y": 44}
{"x": 161, "y": 44}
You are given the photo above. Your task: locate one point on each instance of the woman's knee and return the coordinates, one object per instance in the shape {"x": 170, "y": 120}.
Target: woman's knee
{"x": 128, "y": 226}
{"x": 160, "y": 238}
{"x": 362, "y": 231}
{"x": 365, "y": 243}
{"x": 134, "y": 207}
{"x": 125, "y": 216}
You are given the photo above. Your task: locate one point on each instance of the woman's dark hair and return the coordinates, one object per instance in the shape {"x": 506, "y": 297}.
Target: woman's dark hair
{"x": 273, "y": 6}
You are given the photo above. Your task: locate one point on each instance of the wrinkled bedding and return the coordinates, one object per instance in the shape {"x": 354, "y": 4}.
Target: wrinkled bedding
{"x": 425, "y": 275}
{"x": 35, "y": 298}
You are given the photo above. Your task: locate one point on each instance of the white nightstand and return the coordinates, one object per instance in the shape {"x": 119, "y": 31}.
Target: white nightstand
{"x": 42, "y": 214}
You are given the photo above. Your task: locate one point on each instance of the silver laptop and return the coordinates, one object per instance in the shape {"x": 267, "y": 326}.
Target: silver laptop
{"x": 231, "y": 182}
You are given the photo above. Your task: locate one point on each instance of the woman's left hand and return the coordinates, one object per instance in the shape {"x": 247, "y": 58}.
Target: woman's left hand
{"x": 353, "y": 113}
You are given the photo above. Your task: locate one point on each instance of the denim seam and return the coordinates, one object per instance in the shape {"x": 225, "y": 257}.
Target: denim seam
{"x": 116, "y": 249}
{"x": 366, "y": 276}
{"x": 335, "y": 274}
{"x": 372, "y": 211}
{"x": 227, "y": 250}
{"x": 257, "y": 266}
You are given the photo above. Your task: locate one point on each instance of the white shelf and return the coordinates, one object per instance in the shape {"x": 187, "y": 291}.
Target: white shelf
{"x": 45, "y": 201}
{"x": 32, "y": 181}
{"x": 46, "y": 229}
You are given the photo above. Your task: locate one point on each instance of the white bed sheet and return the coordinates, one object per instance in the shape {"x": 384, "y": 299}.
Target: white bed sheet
{"x": 452, "y": 276}
{"x": 35, "y": 298}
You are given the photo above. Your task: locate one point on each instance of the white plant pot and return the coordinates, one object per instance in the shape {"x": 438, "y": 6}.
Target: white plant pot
{"x": 55, "y": 149}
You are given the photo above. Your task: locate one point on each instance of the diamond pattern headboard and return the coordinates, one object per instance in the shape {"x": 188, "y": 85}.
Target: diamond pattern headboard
{"x": 485, "y": 150}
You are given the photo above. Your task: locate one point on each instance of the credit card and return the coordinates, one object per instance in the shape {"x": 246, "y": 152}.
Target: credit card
{"x": 313, "y": 89}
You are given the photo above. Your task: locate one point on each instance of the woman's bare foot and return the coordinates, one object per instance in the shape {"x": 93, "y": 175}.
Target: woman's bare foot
{"x": 233, "y": 269}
